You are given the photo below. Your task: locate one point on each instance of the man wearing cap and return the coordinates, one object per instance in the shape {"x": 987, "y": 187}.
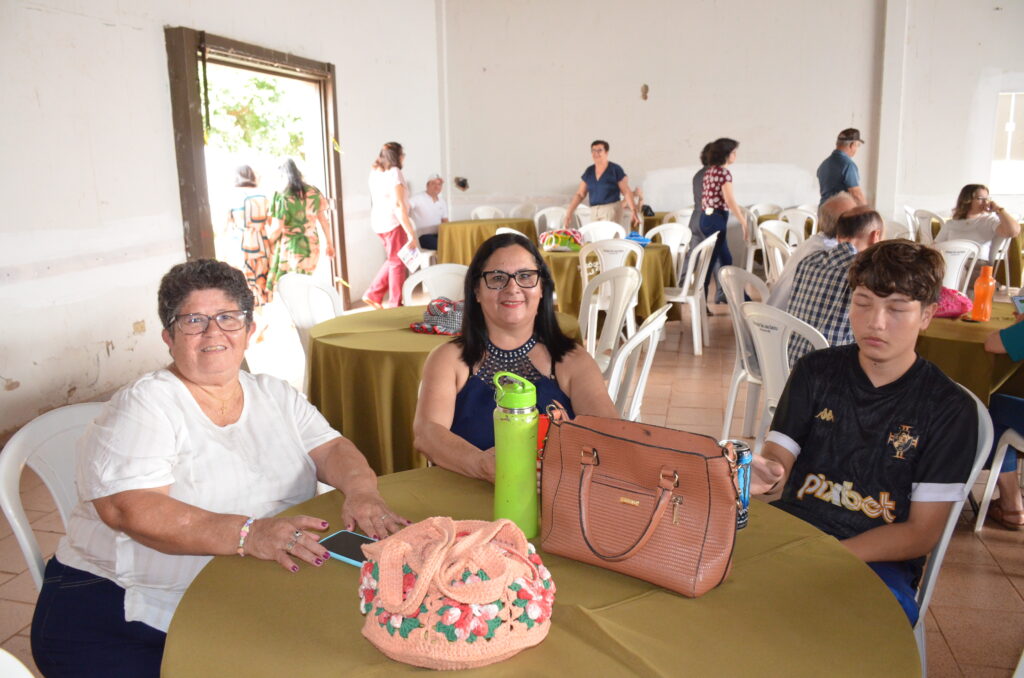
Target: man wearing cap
{"x": 838, "y": 172}
{"x": 428, "y": 211}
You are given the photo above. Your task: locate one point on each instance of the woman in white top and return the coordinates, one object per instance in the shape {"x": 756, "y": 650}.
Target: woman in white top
{"x": 979, "y": 219}
{"x": 389, "y": 217}
{"x": 186, "y": 463}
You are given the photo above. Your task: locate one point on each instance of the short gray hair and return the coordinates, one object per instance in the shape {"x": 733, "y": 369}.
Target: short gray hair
{"x": 828, "y": 215}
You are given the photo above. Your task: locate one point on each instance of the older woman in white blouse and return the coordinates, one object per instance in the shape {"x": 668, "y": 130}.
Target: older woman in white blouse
{"x": 186, "y": 463}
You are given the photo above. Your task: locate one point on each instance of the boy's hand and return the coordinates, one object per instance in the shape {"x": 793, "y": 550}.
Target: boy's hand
{"x": 765, "y": 475}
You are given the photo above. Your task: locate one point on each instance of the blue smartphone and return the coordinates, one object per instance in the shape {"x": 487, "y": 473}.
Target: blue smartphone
{"x": 344, "y": 546}
{"x": 1018, "y": 302}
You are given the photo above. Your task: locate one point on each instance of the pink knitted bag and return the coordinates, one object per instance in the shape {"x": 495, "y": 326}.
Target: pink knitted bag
{"x": 454, "y": 594}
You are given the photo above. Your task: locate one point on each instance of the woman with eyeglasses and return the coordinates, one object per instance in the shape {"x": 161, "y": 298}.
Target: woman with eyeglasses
{"x": 509, "y": 324}
{"x": 979, "y": 219}
{"x": 186, "y": 463}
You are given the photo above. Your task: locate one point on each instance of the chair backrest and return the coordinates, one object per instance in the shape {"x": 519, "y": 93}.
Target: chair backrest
{"x": 11, "y": 666}
{"x": 602, "y": 230}
{"x": 776, "y": 254}
{"x": 735, "y": 283}
{"x": 807, "y": 207}
{"x": 753, "y": 232}
{"x": 895, "y": 229}
{"x": 627, "y": 396}
{"x": 675, "y": 234}
{"x": 938, "y": 554}
{"x": 439, "y": 280}
{"x": 960, "y": 257}
{"x": 923, "y": 219}
{"x": 678, "y": 216}
{"x": 524, "y": 210}
{"x": 308, "y": 301}
{"x": 908, "y": 212}
{"x": 549, "y": 219}
{"x": 47, "y": 445}
{"x": 791, "y": 233}
{"x": 620, "y": 285}
{"x": 609, "y": 254}
{"x": 505, "y": 229}
{"x": 486, "y": 212}
{"x": 798, "y": 218}
{"x": 582, "y": 215}
{"x": 771, "y": 328}
{"x": 697, "y": 266}
{"x": 763, "y": 209}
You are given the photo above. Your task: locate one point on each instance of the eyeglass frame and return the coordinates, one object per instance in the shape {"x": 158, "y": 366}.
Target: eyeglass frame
{"x": 246, "y": 317}
{"x": 511, "y": 277}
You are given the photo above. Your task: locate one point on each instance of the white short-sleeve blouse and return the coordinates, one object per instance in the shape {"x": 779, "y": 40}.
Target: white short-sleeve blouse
{"x": 154, "y": 434}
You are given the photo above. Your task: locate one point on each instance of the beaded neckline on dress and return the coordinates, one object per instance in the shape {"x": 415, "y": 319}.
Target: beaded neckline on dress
{"x": 515, "y": 360}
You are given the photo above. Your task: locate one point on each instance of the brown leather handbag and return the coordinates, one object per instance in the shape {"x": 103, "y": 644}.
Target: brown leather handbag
{"x": 651, "y": 502}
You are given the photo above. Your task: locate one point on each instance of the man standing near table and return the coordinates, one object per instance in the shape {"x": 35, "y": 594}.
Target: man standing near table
{"x": 838, "y": 172}
{"x": 821, "y": 288}
{"x": 603, "y": 181}
{"x": 428, "y": 212}
{"x": 871, "y": 443}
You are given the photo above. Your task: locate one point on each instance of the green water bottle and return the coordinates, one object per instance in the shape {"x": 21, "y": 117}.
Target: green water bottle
{"x": 515, "y": 448}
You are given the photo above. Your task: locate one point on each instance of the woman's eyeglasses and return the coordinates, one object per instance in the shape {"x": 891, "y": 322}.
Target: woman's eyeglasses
{"x": 498, "y": 280}
{"x": 196, "y": 323}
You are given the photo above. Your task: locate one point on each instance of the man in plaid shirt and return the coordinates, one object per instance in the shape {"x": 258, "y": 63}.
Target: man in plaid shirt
{"x": 821, "y": 291}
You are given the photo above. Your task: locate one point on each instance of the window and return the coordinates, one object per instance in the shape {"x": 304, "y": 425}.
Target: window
{"x": 1008, "y": 152}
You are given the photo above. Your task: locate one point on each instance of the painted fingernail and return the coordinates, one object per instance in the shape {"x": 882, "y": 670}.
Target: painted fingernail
{"x": 326, "y": 555}
{"x": 318, "y": 561}
{"x": 323, "y": 524}
{"x": 295, "y": 568}
{"x": 350, "y": 527}
{"x": 375, "y": 536}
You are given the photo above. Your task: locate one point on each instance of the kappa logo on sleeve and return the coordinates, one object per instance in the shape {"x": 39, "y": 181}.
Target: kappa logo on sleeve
{"x": 902, "y": 441}
{"x": 842, "y": 494}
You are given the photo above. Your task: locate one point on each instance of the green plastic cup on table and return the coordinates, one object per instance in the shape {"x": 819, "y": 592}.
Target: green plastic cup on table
{"x": 515, "y": 449}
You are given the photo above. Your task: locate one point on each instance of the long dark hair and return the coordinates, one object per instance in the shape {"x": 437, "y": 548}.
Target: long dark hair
{"x": 721, "y": 149}
{"x": 963, "y": 201}
{"x": 245, "y": 177}
{"x": 545, "y": 325}
{"x": 295, "y": 185}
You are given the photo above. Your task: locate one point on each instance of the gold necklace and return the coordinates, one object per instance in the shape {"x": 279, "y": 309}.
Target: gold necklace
{"x": 223, "y": 401}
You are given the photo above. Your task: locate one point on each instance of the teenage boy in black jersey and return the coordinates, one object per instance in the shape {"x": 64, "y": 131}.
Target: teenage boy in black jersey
{"x": 871, "y": 443}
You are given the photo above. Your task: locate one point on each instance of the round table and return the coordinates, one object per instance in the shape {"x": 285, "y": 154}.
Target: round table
{"x": 364, "y": 376}
{"x": 657, "y": 270}
{"x": 796, "y": 603}
{"x": 958, "y": 348}
{"x": 458, "y": 241}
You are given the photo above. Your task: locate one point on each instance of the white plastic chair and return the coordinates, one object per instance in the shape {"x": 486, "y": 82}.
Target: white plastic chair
{"x": 908, "y": 212}
{"x": 895, "y": 229}
{"x": 611, "y": 254}
{"x": 923, "y": 223}
{"x": 771, "y": 328}
{"x": 308, "y": 301}
{"x": 620, "y": 285}
{"x": 776, "y": 254}
{"x": 549, "y": 219}
{"x": 675, "y": 234}
{"x": 441, "y": 280}
{"x": 623, "y": 367}
{"x": 790, "y": 233}
{"x": 524, "y": 210}
{"x": 754, "y": 243}
{"x": 798, "y": 219}
{"x": 486, "y": 212}
{"x": 47, "y": 445}
{"x": 736, "y": 282}
{"x": 692, "y": 292}
{"x": 807, "y": 207}
{"x": 507, "y": 230}
{"x": 678, "y": 216}
{"x": 764, "y": 209}
{"x": 938, "y": 554}
{"x": 582, "y": 215}
{"x": 1000, "y": 248}
{"x": 960, "y": 257}
{"x": 11, "y": 666}
{"x": 602, "y": 230}
{"x": 1009, "y": 439}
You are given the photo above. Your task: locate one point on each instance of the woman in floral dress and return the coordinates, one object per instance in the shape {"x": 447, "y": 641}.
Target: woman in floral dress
{"x": 296, "y": 211}
{"x": 249, "y": 214}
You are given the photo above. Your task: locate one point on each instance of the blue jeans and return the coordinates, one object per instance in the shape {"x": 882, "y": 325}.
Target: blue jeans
{"x": 1007, "y": 412}
{"x": 716, "y": 223}
{"x": 79, "y": 629}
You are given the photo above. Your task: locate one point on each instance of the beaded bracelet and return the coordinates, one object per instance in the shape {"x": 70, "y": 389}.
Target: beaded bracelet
{"x": 243, "y": 533}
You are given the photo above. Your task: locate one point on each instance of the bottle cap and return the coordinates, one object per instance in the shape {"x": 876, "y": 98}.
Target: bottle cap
{"x": 513, "y": 392}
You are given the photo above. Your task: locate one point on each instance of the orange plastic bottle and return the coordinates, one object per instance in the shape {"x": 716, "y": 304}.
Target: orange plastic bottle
{"x": 984, "y": 288}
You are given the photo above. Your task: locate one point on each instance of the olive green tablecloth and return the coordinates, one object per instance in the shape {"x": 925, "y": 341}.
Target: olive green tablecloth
{"x": 958, "y": 348}
{"x": 795, "y": 604}
{"x": 364, "y": 376}
{"x": 458, "y": 241}
{"x": 651, "y": 222}
{"x": 657, "y": 270}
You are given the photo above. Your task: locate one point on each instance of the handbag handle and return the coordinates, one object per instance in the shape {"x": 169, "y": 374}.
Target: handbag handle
{"x": 668, "y": 480}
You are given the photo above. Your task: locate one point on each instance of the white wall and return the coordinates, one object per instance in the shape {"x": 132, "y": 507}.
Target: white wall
{"x": 92, "y": 214}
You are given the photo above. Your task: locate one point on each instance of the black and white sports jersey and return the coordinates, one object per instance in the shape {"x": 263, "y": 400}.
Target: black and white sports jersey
{"x": 864, "y": 453}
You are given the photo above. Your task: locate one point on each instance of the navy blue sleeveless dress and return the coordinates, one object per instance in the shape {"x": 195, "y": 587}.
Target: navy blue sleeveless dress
{"x": 474, "y": 404}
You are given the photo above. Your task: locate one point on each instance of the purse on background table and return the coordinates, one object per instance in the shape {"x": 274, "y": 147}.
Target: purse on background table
{"x": 650, "y": 502}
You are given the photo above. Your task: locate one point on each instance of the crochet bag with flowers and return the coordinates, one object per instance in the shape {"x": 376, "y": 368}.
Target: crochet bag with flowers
{"x": 561, "y": 240}
{"x": 455, "y": 594}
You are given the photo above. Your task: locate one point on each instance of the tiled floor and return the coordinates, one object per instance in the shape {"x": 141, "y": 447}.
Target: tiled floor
{"x": 976, "y": 620}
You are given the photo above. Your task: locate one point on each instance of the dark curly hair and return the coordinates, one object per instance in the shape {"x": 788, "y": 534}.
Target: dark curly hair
{"x": 545, "y": 325}
{"x": 201, "y": 274}
{"x": 900, "y": 267}
{"x": 720, "y": 151}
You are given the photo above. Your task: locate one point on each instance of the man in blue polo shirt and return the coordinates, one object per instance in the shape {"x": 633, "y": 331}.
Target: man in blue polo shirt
{"x": 838, "y": 172}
